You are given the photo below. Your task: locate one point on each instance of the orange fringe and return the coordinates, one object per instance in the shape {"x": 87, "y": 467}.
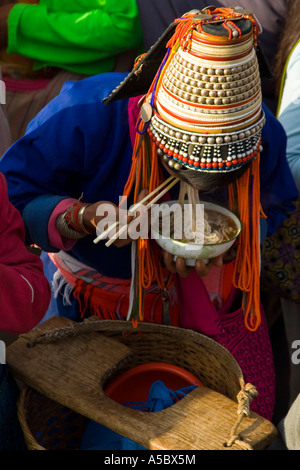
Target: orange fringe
{"x": 184, "y": 27}
{"x": 187, "y": 23}
{"x": 139, "y": 160}
{"x": 247, "y": 266}
{"x": 146, "y": 173}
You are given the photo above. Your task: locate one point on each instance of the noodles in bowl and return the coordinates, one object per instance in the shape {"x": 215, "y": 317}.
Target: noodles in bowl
{"x": 193, "y": 229}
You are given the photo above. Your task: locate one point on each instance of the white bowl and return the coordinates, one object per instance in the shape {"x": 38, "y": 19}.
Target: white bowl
{"x": 191, "y": 251}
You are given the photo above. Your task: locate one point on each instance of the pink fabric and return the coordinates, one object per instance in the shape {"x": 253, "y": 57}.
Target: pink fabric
{"x": 55, "y": 238}
{"x": 191, "y": 312}
{"x": 18, "y": 86}
{"x": 24, "y": 290}
{"x": 211, "y": 290}
{"x": 133, "y": 113}
{"x": 252, "y": 350}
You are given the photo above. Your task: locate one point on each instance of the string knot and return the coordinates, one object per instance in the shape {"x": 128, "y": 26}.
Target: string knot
{"x": 244, "y": 397}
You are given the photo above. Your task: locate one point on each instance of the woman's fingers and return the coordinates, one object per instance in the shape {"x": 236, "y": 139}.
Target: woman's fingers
{"x": 169, "y": 262}
{"x": 217, "y": 261}
{"x": 109, "y": 215}
{"x": 203, "y": 267}
{"x": 142, "y": 194}
{"x": 182, "y": 269}
{"x": 177, "y": 266}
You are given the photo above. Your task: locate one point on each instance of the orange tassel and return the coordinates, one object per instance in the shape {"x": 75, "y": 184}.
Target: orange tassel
{"x": 183, "y": 27}
{"x": 145, "y": 174}
{"x": 247, "y": 266}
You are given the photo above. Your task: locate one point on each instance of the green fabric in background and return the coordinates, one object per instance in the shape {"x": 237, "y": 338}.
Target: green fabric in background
{"x": 81, "y": 36}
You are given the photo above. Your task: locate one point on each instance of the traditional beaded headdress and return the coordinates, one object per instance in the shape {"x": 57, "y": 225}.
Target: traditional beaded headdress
{"x": 207, "y": 100}
{"x": 203, "y": 111}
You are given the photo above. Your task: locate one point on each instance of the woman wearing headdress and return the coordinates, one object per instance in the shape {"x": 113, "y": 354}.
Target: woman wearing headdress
{"x": 195, "y": 112}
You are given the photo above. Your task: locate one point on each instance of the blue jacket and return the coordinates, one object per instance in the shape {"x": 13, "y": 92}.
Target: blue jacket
{"x": 75, "y": 145}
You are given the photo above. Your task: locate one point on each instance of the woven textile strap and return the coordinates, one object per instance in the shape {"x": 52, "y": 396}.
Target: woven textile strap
{"x": 108, "y": 298}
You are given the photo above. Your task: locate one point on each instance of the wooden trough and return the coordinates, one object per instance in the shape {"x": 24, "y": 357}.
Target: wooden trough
{"x": 65, "y": 367}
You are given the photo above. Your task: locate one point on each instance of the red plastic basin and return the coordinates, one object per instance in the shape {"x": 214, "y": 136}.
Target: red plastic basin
{"x": 135, "y": 383}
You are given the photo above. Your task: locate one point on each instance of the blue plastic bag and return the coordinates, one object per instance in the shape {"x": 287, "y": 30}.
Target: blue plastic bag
{"x": 98, "y": 437}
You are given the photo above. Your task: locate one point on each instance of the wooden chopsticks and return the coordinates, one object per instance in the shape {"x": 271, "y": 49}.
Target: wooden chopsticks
{"x": 165, "y": 186}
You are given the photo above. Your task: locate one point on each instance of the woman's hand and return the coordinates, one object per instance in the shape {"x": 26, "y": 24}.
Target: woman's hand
{"x": 179, "y": 267}
{"x": 104, "y": 213}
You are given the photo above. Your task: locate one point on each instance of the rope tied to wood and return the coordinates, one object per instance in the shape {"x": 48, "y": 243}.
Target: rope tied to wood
{"x": 244, "y": 397}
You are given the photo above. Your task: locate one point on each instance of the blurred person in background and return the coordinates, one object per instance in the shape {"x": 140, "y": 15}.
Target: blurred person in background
{"x": 287, "y": 72}
{"x": 45, "y": 43}
{"x": 24, "y": 299}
